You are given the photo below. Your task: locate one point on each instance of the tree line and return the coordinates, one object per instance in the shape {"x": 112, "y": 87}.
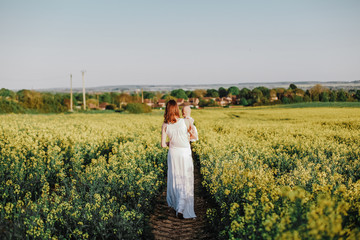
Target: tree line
{"x": 30, "y": 101}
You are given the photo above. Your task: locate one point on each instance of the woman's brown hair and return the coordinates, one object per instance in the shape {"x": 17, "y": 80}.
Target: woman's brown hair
{"x": 171, "y": 112}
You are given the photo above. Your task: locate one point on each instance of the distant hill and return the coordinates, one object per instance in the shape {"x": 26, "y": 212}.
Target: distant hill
{"x": 164, "y": 88}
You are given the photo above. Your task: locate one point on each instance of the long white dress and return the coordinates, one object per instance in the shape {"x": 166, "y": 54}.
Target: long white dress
{"x": 180, "y": 175}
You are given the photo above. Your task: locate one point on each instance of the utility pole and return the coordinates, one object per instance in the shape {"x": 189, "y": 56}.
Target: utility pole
{"x": 142, "y": 96}
{"x": 71, "y": 95}
{"x": 83, "y": 83}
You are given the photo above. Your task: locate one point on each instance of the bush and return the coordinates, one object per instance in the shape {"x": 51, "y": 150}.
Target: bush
{"x": 7, "y": 106}
{"x": 138, "y": 108}
{"x": 286, "y": 100}
{"x": 298, "y": 99}
{"x": 110, "y": 107}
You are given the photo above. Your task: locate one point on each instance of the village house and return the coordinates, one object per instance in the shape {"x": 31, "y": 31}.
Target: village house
{"x": 180, "y": 101}
{"x": 149, "y": 102}
{"x": 224, "y": 101}
{"x": 273, "y": 96}
{"x": 161, "y": 103}
{"x": 235, "y": 100}
{"x": 102, "y": 106}
{"x": 92, "y": 106}
{"x": 209, "y": 98}
{"x": 229, "y": 100}
{"x": 220, "y": 102}
{"x": 194, "y": 102}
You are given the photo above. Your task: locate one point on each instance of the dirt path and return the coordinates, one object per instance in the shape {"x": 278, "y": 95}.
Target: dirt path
{"x": 165, "y": 224}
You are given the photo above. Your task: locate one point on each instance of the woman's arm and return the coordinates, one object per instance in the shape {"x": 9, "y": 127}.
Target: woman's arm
{"x": 163, "y": 136}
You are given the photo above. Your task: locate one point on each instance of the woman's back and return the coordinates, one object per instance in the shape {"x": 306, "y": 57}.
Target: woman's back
{"x": 177, "y": 133}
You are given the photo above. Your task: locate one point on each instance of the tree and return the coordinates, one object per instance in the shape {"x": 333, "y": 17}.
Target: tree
{"x": 6, "y": 93}
{"x": 234, "y": 91}
{"x": 245, "y": 93}
{"x": 357, "y": 95}
{"x": 332, "y": 96}
{"x": 243, "y": 101}
{"x": 265, "y": 91}
{"x": 324, "y": 97}
{"x": 167, "y": 97}
{"x": 30, "y": 99}
{"x": 280, "y": 93}
{"x": 122, "y": 99}
{"x": 299, "y": 92}
{"x": 316, "y": 90}
{"x": 179, "y": 93}
{"x": 285, "y": 100}
{"x": 8, "y": 106}
{"x": 289, "y": 94}
{"x": 148, "y": 95}
{"x": 199, "y": 93}
{"x": 341, "y": 95}
{"x": 292, "y": 86}
{"x": 298, "y": 99}
{"x": 138, "y": 108}
{"x": 105, "y": 97}
{"x": 190, "y": 94}
{"x": 256, "y": 95}
{"x": 222, "y": 92}
{"x": 212, "y": 93}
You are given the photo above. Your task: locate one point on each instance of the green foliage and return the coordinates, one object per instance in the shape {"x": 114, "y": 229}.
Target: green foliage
{"x": 30, "y": 99}
{"x": 207, "y": 103}
{"x": 357, "y": 95}
{"x": 324, "y": 97}
{"x": 52, "y": 103}
{"x": 341, "y": 96}
{"x": 264, "y": 90}
{"x": 222, "y": 92}
{"x": 332, "y": 96}
{"x": 256, "y": 95}
{"x": 105, "y": 97}
{"x": 148, "y": 95}
{"x": 42, "y": 102}
{"x": 298, "y": 99}
{"x": 168, "y": 97}
{"x": 138, "y": 108}
{"x": 6, "y": 93}
{"x": 307, "y": 98}
{"x": 179, "y": 93}
{"x": 292, "y": 86}
{"x": 234, "y": 91}
{"x": 9, "y": 106}
{"x": 286, "y": 100}
{"x": 243, "y": 101}
{"x": 212, "y": 93}
{"x": 190, "y": 94}
{"x": 245, "y": 93}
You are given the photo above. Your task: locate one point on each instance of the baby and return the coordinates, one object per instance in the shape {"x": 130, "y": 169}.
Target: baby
{"x": 186, "y": 112}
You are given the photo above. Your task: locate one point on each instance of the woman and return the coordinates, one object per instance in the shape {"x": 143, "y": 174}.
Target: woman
{"x": 180, "y": 175}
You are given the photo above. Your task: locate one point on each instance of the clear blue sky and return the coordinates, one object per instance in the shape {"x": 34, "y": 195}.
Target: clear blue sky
{"x": 174, "y": 42}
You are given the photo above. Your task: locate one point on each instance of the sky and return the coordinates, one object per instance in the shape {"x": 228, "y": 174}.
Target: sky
{"x": 177, "y": 42}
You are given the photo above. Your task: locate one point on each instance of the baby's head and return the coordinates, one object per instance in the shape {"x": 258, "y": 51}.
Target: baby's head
{"x": 186, "y": 111}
